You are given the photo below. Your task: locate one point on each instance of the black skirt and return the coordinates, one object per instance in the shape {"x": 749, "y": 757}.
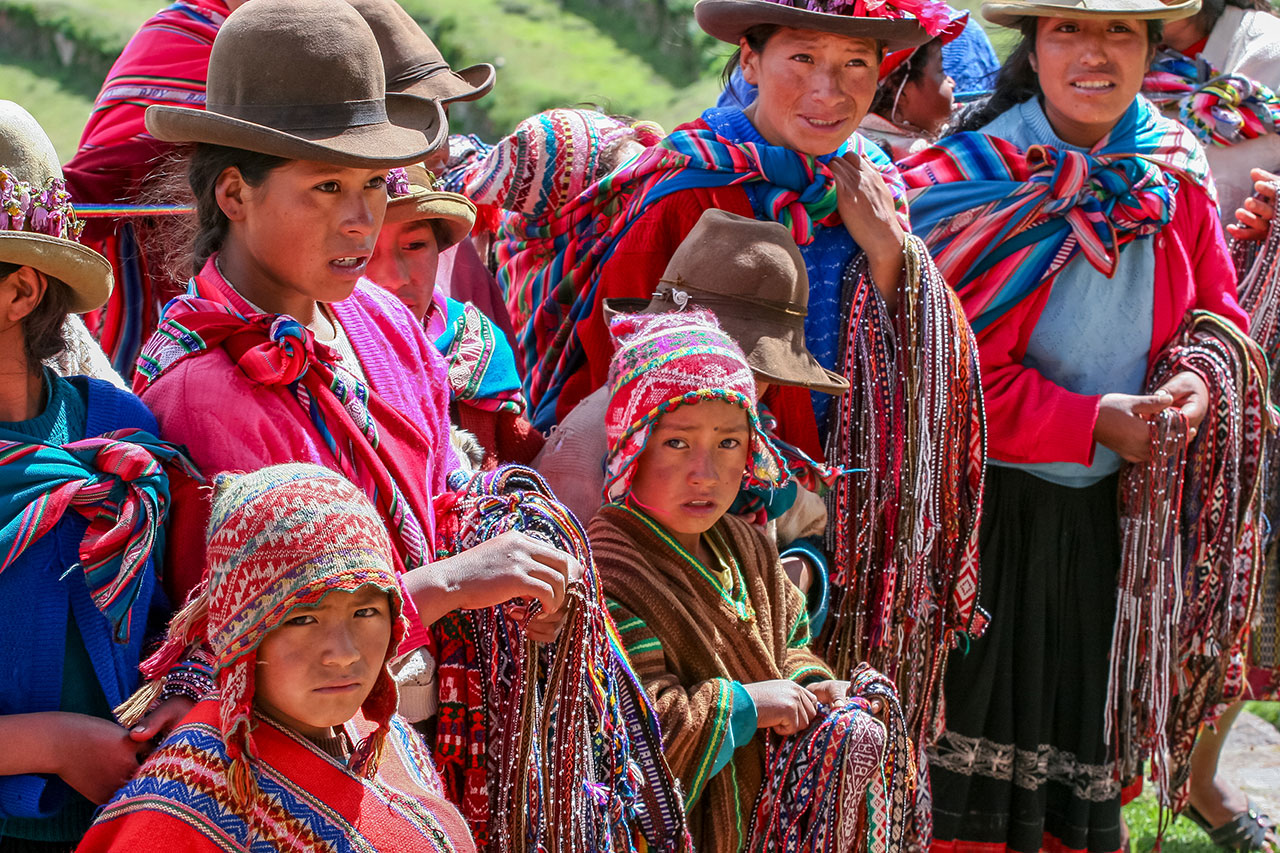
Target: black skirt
{"x": 1023, "y": 764}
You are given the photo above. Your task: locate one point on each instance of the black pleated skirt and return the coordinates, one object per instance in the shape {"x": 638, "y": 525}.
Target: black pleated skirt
{"x": 1023, "y": 764}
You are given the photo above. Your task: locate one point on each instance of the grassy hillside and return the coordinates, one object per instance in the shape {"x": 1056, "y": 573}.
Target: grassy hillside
{"x": 56, "y": 53}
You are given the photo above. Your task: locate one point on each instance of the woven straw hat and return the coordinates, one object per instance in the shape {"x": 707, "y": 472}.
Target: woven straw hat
{"x": 422, "y": 201}
{"x": 301, "y": 79}
{"x": 728, "y": 20}
{"x": 413, "y": 63}
{"x": 752, "y": 276}
{"x": 38, "y": 226}
{"x": 1010, "y": 12}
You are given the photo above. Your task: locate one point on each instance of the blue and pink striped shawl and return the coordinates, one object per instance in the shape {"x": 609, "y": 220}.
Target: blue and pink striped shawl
{"x": 1002, "y": 223}
{"x": 550, "y": 268}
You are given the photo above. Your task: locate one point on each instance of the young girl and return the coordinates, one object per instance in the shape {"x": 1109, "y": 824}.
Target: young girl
{"x": 714, "y": 628}
{"x": 280, "y": 341}
{"x": 301, "y": 745}
{"x": 84, "y": 501}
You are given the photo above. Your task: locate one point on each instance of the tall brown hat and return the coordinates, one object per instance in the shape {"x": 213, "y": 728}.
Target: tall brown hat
{"x": 419, "y": 199}
{"x": 750, "y": 274}
{"x": 301, "y": 79}
{"x": 38, "y": 225}
{"x": 414, "y": 64}
{"x": 729, "y": 20}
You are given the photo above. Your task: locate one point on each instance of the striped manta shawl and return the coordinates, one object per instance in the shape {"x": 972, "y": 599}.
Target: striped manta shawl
{"x": 117, "y": 481}
{"x": 276, "y": 350}
{"x": 1220, "y": 109}
{"x": 180, "y": 798}
{"x": 1001, "y": 222}
{"x": 550, "y": 268}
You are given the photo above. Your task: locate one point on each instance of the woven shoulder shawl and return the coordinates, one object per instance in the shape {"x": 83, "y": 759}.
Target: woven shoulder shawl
{"x": 180, "y": 798}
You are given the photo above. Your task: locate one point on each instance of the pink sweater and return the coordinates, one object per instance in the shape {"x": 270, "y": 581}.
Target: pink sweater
{"x": 230, "y": 423}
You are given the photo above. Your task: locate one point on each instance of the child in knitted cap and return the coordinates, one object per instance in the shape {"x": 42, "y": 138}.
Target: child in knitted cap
{"x": 301, "y": 747}
{"x": 714, "y": 628}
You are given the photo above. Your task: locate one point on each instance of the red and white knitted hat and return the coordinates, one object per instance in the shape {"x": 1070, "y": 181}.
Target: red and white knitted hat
{"x": 662, "y": 362}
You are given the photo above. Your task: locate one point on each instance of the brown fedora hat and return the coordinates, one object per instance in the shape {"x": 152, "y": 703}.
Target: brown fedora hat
{"x": 301, "y": 79}
{"x": 412, "y": 60}
{"x": 455, "y": 212}
{"x": 38, "y": 225}
{"x": 729, "y": 20}
{"x": 750, "y": 274}
{"x": 1011, "y": 13}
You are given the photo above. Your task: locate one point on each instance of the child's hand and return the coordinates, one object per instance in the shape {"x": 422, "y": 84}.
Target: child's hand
{"x": 782, "y": 705}
{"x": 157, "y": 724}
{"x": 831, "y": 693}
{"x": 94, "y": 756}
{"x": 1254, "y": 218}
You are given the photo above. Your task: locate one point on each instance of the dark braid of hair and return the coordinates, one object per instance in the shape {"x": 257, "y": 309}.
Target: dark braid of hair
{"x": 207, "y": 163}
{"x": 1018, "y": 81}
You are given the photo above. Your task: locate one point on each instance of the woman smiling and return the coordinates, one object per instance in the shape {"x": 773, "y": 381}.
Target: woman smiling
{"x": 1088, "y": 236}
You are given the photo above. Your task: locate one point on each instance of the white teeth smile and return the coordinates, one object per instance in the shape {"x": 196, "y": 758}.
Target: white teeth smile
{"x": 1093, "y": 84}
{"x": 822, "y": 123}
{"x": 347, "y": 262}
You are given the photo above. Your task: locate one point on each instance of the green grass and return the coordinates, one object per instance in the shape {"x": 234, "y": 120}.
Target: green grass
{"x": 60, "y": 111}
{"x": 1183, "y": 836}
{"x": 1269, "y": 711}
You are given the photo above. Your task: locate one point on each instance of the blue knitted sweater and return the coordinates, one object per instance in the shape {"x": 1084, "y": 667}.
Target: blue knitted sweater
{"x": 36, "y": 601}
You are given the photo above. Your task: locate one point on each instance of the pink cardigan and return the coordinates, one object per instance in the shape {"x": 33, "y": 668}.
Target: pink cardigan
{"x": 230, "y": 423}
{"x": 1031, "y": 419}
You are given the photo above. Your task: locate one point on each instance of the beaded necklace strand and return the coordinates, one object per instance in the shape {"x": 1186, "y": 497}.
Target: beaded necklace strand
{"x": 904, "y": 532}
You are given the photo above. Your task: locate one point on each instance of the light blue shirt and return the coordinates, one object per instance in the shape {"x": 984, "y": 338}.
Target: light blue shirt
{"x": 1094, "y": 335}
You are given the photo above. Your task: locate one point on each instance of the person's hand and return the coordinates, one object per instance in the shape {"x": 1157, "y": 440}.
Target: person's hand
{"x": 94, "y": 756}
{"x": 1124, "y": 422}
{"x": 506, "y": 567}
{"x": 866, "y": 209}
{"x": 782, "y": 705}
{"x": 836, "y": 693}
{"x": 1190, "y": 396}
{"x": 158, "y": 722}
{"x": 1254, "y": 218}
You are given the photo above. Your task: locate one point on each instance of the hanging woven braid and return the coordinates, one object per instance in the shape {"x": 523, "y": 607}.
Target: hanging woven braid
{"x": 846, "y": 783}
{"x": 1258, "y": 265}
{"x": 535, "y": 742}
{"x": 905, "y": 564}
{"x": 1192, "y": 556}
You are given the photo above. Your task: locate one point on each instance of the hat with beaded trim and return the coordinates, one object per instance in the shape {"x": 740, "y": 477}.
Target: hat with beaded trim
{"x": 413, "y": 196}
{"x": 894, "y": 24}
{"x": 38, "y": 223}
{"x": 279, "y": 539}
{"x": 665, "y": 361}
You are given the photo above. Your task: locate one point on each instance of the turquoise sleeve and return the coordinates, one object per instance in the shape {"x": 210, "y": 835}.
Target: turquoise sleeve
{"x": 742, "y": 725}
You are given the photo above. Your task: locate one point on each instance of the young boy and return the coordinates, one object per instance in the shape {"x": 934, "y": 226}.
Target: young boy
{"x": 715, "y": 629}
{"x": 301, "y": 748}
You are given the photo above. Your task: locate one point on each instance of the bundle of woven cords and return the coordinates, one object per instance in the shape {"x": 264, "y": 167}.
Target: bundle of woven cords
{"x": 905, "y": 543}
{"x": 1192, "y": 526}
{"x": 1220, "y": 109}
{"x": 844, "y": 784}
{"x": 545, "y": 747}
{"x": 1258, "y": 265}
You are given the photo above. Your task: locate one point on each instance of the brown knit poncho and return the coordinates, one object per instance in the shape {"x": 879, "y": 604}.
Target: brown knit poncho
{"x": 688, "y": 643}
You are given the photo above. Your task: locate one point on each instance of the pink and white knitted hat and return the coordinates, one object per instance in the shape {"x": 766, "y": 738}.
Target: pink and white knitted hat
{"x": 662, "y": 362}
{"x": 548, "y": 161}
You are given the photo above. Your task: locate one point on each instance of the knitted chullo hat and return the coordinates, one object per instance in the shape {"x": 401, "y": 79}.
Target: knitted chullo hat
{"x": 278, "y": 539}
{"x": 549, "y": 160}
{"x": 662, "y": 362}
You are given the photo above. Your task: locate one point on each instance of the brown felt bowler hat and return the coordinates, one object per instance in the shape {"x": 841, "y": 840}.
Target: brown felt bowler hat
{"x": 729, "y": 20}
{"x": 301, "y": 79}
{"x": 751, "y": 276}
{"x": 1011, "y": 12}
{"x": 412, "y": 60}
{"x": 28, "y": 167}
{"x": 455, "y": 212}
